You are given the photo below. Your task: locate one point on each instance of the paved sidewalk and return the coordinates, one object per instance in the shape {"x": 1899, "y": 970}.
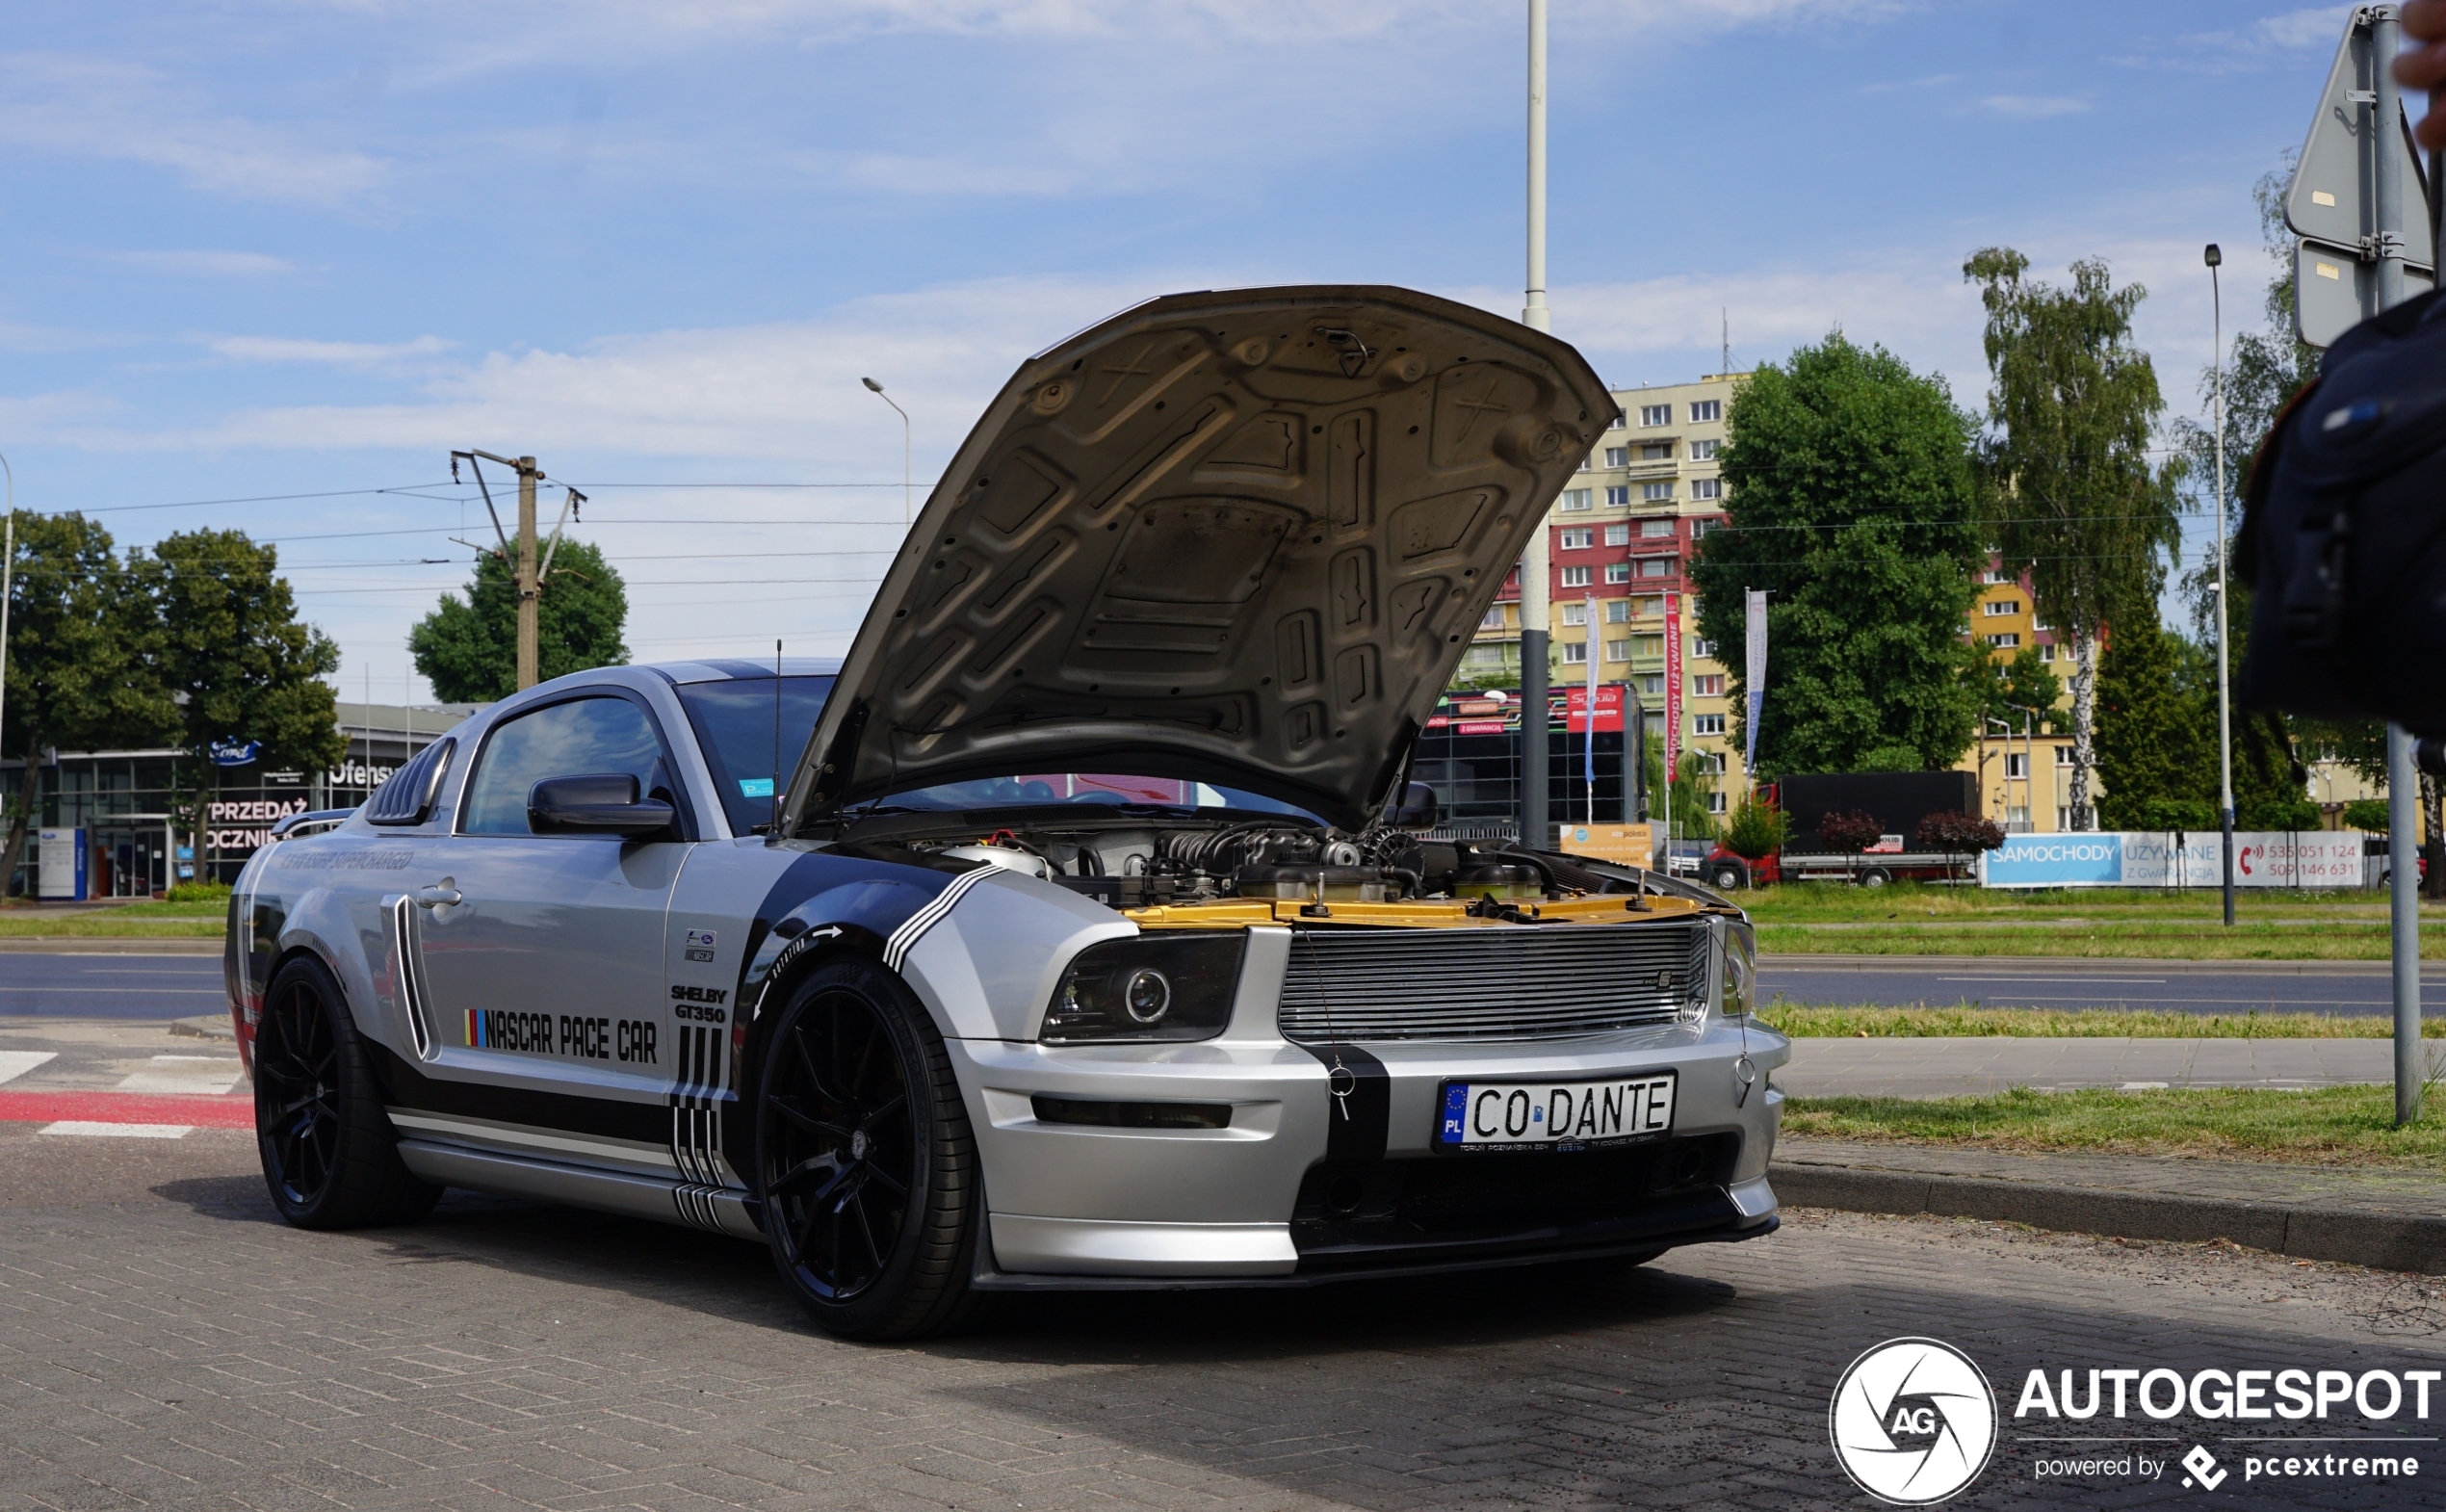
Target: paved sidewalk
{"x": 1967, "y": 1066}
{"x": 2390, "y": 1218}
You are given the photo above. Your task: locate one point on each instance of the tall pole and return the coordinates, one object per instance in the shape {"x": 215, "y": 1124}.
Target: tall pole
{"x": 529, "y": 591}
{"x": 2224, "y": 700}
{"x": 2403, "y": 783}
{"x": 906, "y": 475}
{"x": 1535, "y": 562}
{"x": 7, "y": 564}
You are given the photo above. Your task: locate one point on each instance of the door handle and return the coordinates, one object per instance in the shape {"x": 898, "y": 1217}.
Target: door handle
{"x": 439, "y": 896}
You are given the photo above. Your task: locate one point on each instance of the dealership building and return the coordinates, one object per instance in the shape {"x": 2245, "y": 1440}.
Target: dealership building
{"x": 106, "y": 823}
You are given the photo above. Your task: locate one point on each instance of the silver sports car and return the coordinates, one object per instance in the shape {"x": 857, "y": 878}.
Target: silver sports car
{"x": 1081, "y": 928}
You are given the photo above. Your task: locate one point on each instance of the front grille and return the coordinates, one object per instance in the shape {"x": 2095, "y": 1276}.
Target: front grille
{"x": 1528, "y": 981}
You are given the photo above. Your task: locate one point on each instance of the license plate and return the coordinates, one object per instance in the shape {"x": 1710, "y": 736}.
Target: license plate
{"x": 1555, "y": 1115}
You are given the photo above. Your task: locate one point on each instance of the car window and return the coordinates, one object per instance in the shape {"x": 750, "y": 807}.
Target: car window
{"x": 579, "y": 738}
{"x": 736, "y": 729}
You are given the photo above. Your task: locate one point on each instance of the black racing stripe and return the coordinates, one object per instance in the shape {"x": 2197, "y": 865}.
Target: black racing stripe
{"x": 411, "y": 1090}
{"x": 1361, "y": 1134}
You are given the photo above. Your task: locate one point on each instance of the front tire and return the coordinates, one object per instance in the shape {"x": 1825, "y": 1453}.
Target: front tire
{"x": 1875, "y": 876}
{"x": 1727, "y": 878}
{"x": 865, "y": 1163}
{"x": 330, "y": 1155}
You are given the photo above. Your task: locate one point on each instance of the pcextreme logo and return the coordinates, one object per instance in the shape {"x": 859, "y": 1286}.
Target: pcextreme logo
{"x": 1914, "y": 1420}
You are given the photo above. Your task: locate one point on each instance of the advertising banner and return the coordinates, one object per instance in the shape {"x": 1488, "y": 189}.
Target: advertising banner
{"x": 1754, "y": 681}
{"x": 2307, "y": 858}
{"x": 1673, "y": 683}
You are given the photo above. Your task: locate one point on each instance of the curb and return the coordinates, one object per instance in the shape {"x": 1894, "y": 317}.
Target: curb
{"x": 2358, "y": 1236}
{"x": 204, "y": 1026}
{"x": 106, "y": 944}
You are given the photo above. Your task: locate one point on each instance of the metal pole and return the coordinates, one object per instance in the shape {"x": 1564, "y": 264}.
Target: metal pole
{"x": 906, "y": 512}
{"x": 2403, "y": 784}
{"x": 528, "y": 629}
{"x": 7, "y": 564}
{"x": 2224, "y": 701}
{"x": 1536, "y": 825}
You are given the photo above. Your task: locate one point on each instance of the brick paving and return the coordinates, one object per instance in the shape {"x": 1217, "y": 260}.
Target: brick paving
{"x": 164, "y": 1344}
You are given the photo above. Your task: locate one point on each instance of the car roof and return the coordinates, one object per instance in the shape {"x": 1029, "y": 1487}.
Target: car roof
{"x": 730, "y": 669}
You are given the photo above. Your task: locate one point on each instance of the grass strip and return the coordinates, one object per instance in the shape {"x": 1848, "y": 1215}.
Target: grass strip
{"x": 2326, "y": 1126}
{"x": 108, "y": 927}
{"x": 1830, "y": 1021}
{"x": 1834, "y": 902}
{"x": 2341, "y": 941}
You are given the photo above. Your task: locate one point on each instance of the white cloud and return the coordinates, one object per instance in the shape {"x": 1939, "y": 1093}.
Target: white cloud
{"x": 203, "y": 264}
{"x": 2034, "y": 107}
{"x": 2271, "y": 40}
{"x": 349, "y": 353}
{"x": 100, "y": 108}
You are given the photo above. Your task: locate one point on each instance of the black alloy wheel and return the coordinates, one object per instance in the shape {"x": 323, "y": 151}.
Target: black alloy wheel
{"x": 865, "y": 1163}
{"x": 330, "y": 1157}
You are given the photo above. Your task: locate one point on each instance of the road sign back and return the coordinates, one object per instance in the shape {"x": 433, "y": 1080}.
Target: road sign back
{"x": 2334, "y": 291}
{"x": 2333, "y": 197}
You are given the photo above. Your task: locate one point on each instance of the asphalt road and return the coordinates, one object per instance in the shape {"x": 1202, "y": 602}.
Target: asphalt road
{"x": 41, "y": 986}
{"x": 2183, "y": 986}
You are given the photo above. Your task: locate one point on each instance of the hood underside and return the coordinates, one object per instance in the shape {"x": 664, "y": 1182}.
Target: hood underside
{"x": 1238, "y": 537}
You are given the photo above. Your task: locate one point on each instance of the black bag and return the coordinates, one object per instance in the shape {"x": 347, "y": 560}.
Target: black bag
{"x": 2344, "y": 533}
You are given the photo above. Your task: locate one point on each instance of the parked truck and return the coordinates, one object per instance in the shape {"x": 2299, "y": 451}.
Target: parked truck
{"x": 1898, "y": 800}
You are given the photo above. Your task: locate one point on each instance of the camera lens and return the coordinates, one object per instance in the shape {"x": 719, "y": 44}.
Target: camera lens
{"x": 1148, "y": 995}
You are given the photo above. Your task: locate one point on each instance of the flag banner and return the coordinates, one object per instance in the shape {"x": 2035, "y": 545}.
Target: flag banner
{"x": 1673, "y": 683}
{"x": 1753, "y": 608}
{"x": 1588, "y": 763}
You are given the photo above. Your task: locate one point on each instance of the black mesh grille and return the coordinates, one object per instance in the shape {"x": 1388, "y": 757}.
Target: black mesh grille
{"x": 408, "y": 797}
{"x": 1529, "y": 982}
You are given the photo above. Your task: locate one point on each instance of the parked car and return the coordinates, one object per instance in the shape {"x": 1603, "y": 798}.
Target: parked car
{"x": 1063, "y": 935}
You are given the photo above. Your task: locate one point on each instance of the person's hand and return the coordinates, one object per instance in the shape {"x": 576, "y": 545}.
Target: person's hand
{"x": 2423, "y": 66}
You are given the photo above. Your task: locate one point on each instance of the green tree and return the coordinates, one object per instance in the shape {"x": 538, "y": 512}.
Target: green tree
{"x": 81, "y": 666}
{"x": 1757, "y": 829}
{"x": 468, "y": 647}
{"x": 2065, "y": 473}
{"x": 1694, "y": 783}
{"x": 2156, "y": 737}
{"x": 234, "y": 651}
{"x": 1851, "y": 503}
{"x": 2008, "y": 687}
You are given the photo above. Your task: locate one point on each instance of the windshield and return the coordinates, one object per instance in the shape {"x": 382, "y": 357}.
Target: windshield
{"x": 1085, "y": 788}
{"x": 735, "y": 728}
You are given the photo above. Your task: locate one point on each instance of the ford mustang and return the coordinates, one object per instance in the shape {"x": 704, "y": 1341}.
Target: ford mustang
{"x": 1081, "y": 928}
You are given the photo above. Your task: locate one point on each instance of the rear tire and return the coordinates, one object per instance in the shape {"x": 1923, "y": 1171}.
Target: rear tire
{"x": 865, "y": 1162}
{"x": 330, "y": 1157}
{"x": 1727, "y": 878}
{"x": 1875, "y": 876}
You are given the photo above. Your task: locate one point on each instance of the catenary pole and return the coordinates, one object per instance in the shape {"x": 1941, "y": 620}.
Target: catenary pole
{"x": 2403, "y": 783}
{"x": 2224, "y": 699}
{"x": 1535, "y": 823}
{"x": 530, "y": 591}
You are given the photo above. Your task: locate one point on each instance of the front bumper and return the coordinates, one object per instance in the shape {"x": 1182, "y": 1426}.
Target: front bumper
{"x": 1279, "y": 1197}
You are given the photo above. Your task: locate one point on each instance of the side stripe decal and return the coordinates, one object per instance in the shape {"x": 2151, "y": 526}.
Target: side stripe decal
{"x": 897, "y": 948}
{"x": 696, "y": 1110}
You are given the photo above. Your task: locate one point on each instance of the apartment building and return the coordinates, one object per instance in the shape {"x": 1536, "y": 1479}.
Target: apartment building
{"x": 2025, "y": 774}
{"x": 1622, "y": 538}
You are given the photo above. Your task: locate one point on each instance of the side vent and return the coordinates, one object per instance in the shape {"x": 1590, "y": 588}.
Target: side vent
{"x": 412, "y": 978}
{"x": 407, "y": 799}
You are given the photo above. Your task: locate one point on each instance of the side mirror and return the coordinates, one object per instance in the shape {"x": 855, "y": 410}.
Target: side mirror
{"x": 1416, "y": 809}
{"x": 602, "y": 803}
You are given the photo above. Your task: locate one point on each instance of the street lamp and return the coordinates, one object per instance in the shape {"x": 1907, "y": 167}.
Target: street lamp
{"x": 2225, "y": 708}
{"x": 905, "y": 473}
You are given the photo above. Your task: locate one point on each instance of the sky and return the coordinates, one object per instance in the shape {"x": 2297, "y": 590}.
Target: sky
{"x": 268, "y": 264}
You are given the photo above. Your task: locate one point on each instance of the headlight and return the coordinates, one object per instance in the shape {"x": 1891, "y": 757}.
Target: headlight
{"x": 1161, "y": 986}
{"x": 1740, "y": 968}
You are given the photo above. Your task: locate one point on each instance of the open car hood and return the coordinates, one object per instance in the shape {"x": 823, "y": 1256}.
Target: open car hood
{"x": 1238, "y": 537}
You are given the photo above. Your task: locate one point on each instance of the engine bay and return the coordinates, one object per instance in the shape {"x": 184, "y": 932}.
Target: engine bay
{"x": 1275, "y": 862}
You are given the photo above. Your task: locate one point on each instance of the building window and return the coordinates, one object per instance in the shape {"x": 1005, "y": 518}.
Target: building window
{"x": 1618, "y": 650}
{"x": 1618, "y": 572}
{"x": 1657, "y": 452}
{"x": 1706, "y": 527}
{"x": 2017, "y": 765}
{"x": 1651, "y": 607}
{"x": 1706, "y": 685}
{"x": 1700, "y": 647}
{"x": 2047, "y": 652}
{"x": 1706, "y": 724}
{"x": 1618, "y": 456}
{"x": 1618, "y": 611}
{"x": 1707, "y": 488}
{"x": 2004, "y": 642}
{"x": 1493, "y": 619}
{"x": 1580, "y": 539}
{"x": 1655, "y": 414}
{"x": 1705, "y": 451}
{"x": 1617, "y": 535}
{"x": 1651, "y": 686}
{"x": 2001, "y": 606}
{"x": 1655, "y": 492}
{"x": 2064, "y": 755}
{"x": 1659, "y": 567}
{"x": 1575, "y": 653}
{"x": 1575, "y": 577}
{"x": 1656, "y": 530}
{"x": 1705, "y": 410}
{"x": 1992, "y": 576}
{"x": 1712, "y": 762}
{"x": 1618, "y": 422}
{"x": 1574, "y": 614}
{"x": 1618, "y": 496}
{"x": 1715, "y": 799}
{"x": 1650, "y": 645}
{"x": 1578, "y": 498}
